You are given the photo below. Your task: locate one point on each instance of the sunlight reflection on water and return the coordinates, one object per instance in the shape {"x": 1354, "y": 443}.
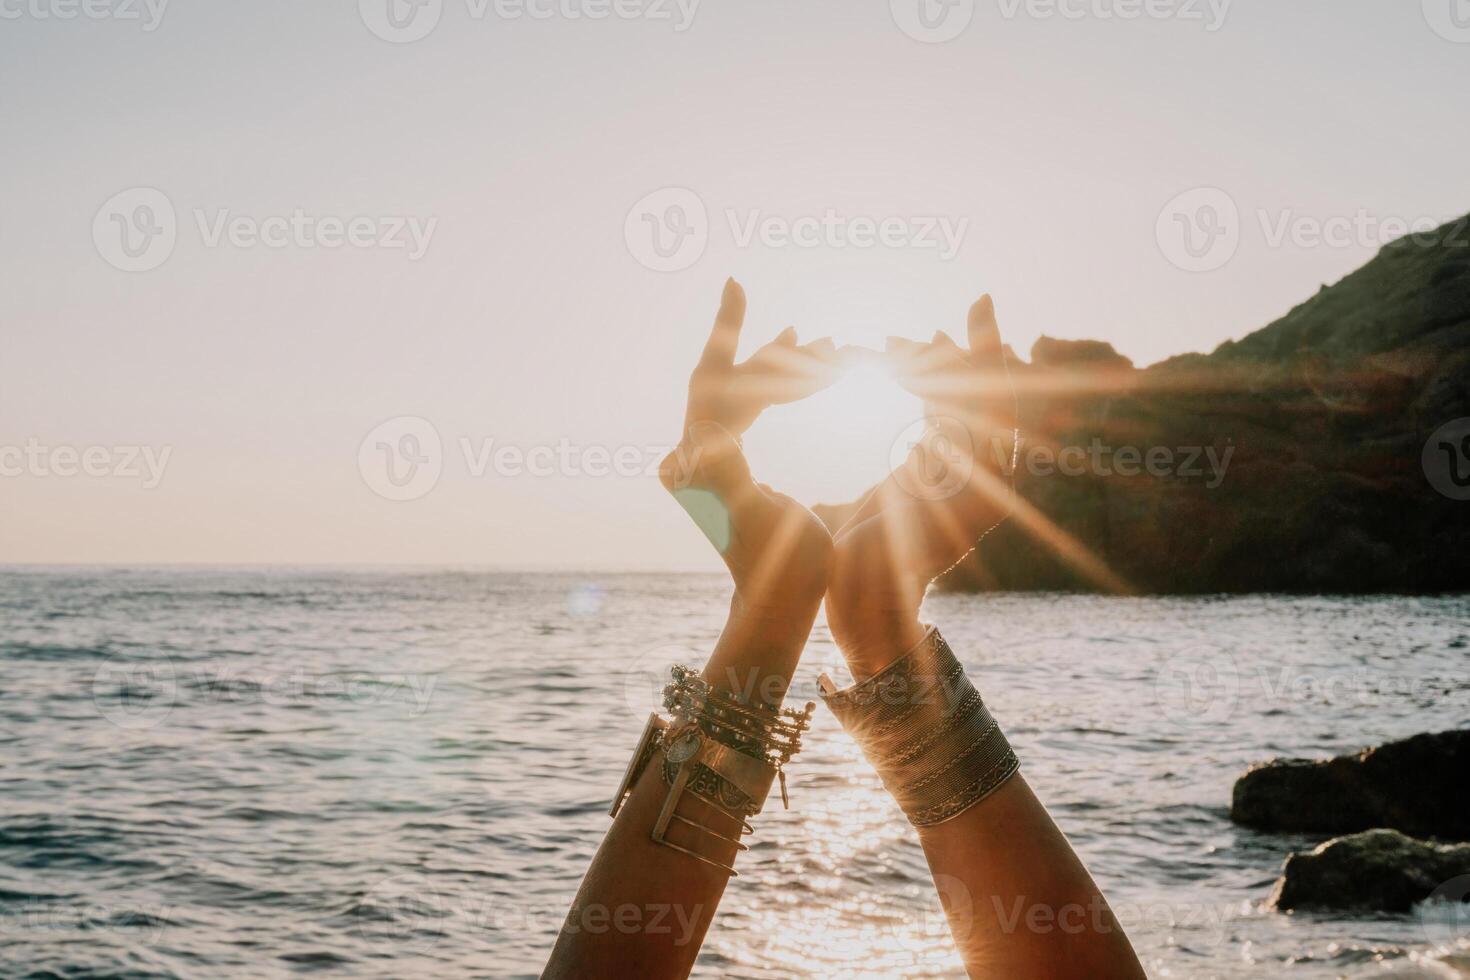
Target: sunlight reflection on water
{"x": 432, "y": 815}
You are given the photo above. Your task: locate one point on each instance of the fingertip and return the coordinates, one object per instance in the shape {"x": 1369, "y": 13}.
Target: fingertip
{"x": 787, "y": 337}
{"x": 984, "y": 331}
{"x": 733, "y": 294}
{"x": 901, "y": 347}
{"x": 983, "y": 309}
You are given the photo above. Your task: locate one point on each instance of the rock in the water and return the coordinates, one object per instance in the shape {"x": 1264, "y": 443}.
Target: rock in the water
{"x": 1380, "y": 869}
{"x": 1420, "y": 786}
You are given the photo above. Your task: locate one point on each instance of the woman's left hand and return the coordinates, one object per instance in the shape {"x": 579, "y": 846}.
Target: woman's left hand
{"x": 778, "y": 552}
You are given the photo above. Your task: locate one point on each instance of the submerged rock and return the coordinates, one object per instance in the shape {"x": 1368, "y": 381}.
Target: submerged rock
{"x": 1380, "y": 870}
{"x": 1418, "y": 786}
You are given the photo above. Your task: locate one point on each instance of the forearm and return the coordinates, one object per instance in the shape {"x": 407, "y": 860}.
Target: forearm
{"x": 1018, "y": 898}
{"x": 667, "y": 899}
{"x": 1019, "y": 901}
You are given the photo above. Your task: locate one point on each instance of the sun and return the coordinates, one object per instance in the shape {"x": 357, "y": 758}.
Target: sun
{"x": 831, "y": 448}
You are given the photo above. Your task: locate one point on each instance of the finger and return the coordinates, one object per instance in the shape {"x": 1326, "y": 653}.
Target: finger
{"x": 993, "y": 359}
{"x": 823, "y": 350}
{"x": 902, "y": 357}
{"x": 719, "y": 350}
{"x": 788, "y": 374}
{"x": 942, "y": 339}
{"x": 984, "y": 332}
{"x": 934, "y": 372}
{"x": 912, "y": 357}
{"x": 902, "y": 350}
{"x": 823, "y": 367}
{"x": 786, "y": 338}
{"x": 786, "y": 359}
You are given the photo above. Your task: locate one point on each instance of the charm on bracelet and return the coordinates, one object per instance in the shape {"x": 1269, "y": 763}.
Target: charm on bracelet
{"x": 720, "y": 749}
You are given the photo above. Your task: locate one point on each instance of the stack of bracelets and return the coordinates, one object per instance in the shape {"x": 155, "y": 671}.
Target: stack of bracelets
{"x": 927, "y": 731}
{"x": 719, "y": 747}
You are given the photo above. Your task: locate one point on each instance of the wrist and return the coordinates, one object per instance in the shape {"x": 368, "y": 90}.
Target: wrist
{"x": 759, "y": 648}
{"x": 870, "y": 643}
{"x": 872, "y": 608}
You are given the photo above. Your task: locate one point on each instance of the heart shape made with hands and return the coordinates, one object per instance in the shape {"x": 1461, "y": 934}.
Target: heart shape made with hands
{"x": 835, "y": 445}
{"x": 873, "y": 408}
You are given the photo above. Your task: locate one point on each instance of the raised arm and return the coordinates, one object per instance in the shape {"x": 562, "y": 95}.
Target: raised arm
{"x": 778, "y": 555}
{"x": 1020, "y": 902}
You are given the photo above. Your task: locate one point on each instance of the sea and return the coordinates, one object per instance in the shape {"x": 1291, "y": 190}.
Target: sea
{"x": 277, "y": 772}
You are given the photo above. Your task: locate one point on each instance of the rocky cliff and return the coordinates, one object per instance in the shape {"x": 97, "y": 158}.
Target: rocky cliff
{"x": 1290, "y": 460}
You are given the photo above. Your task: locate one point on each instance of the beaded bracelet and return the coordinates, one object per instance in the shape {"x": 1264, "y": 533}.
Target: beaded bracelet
{"x": 718, "y": 748}
{"x": 925, "y": 728}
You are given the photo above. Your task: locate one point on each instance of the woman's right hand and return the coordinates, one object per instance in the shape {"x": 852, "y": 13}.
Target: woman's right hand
{"x": 928, "y": 514}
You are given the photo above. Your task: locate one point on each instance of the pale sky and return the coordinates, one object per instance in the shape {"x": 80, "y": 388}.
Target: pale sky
{"x": 248, "y": 377}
